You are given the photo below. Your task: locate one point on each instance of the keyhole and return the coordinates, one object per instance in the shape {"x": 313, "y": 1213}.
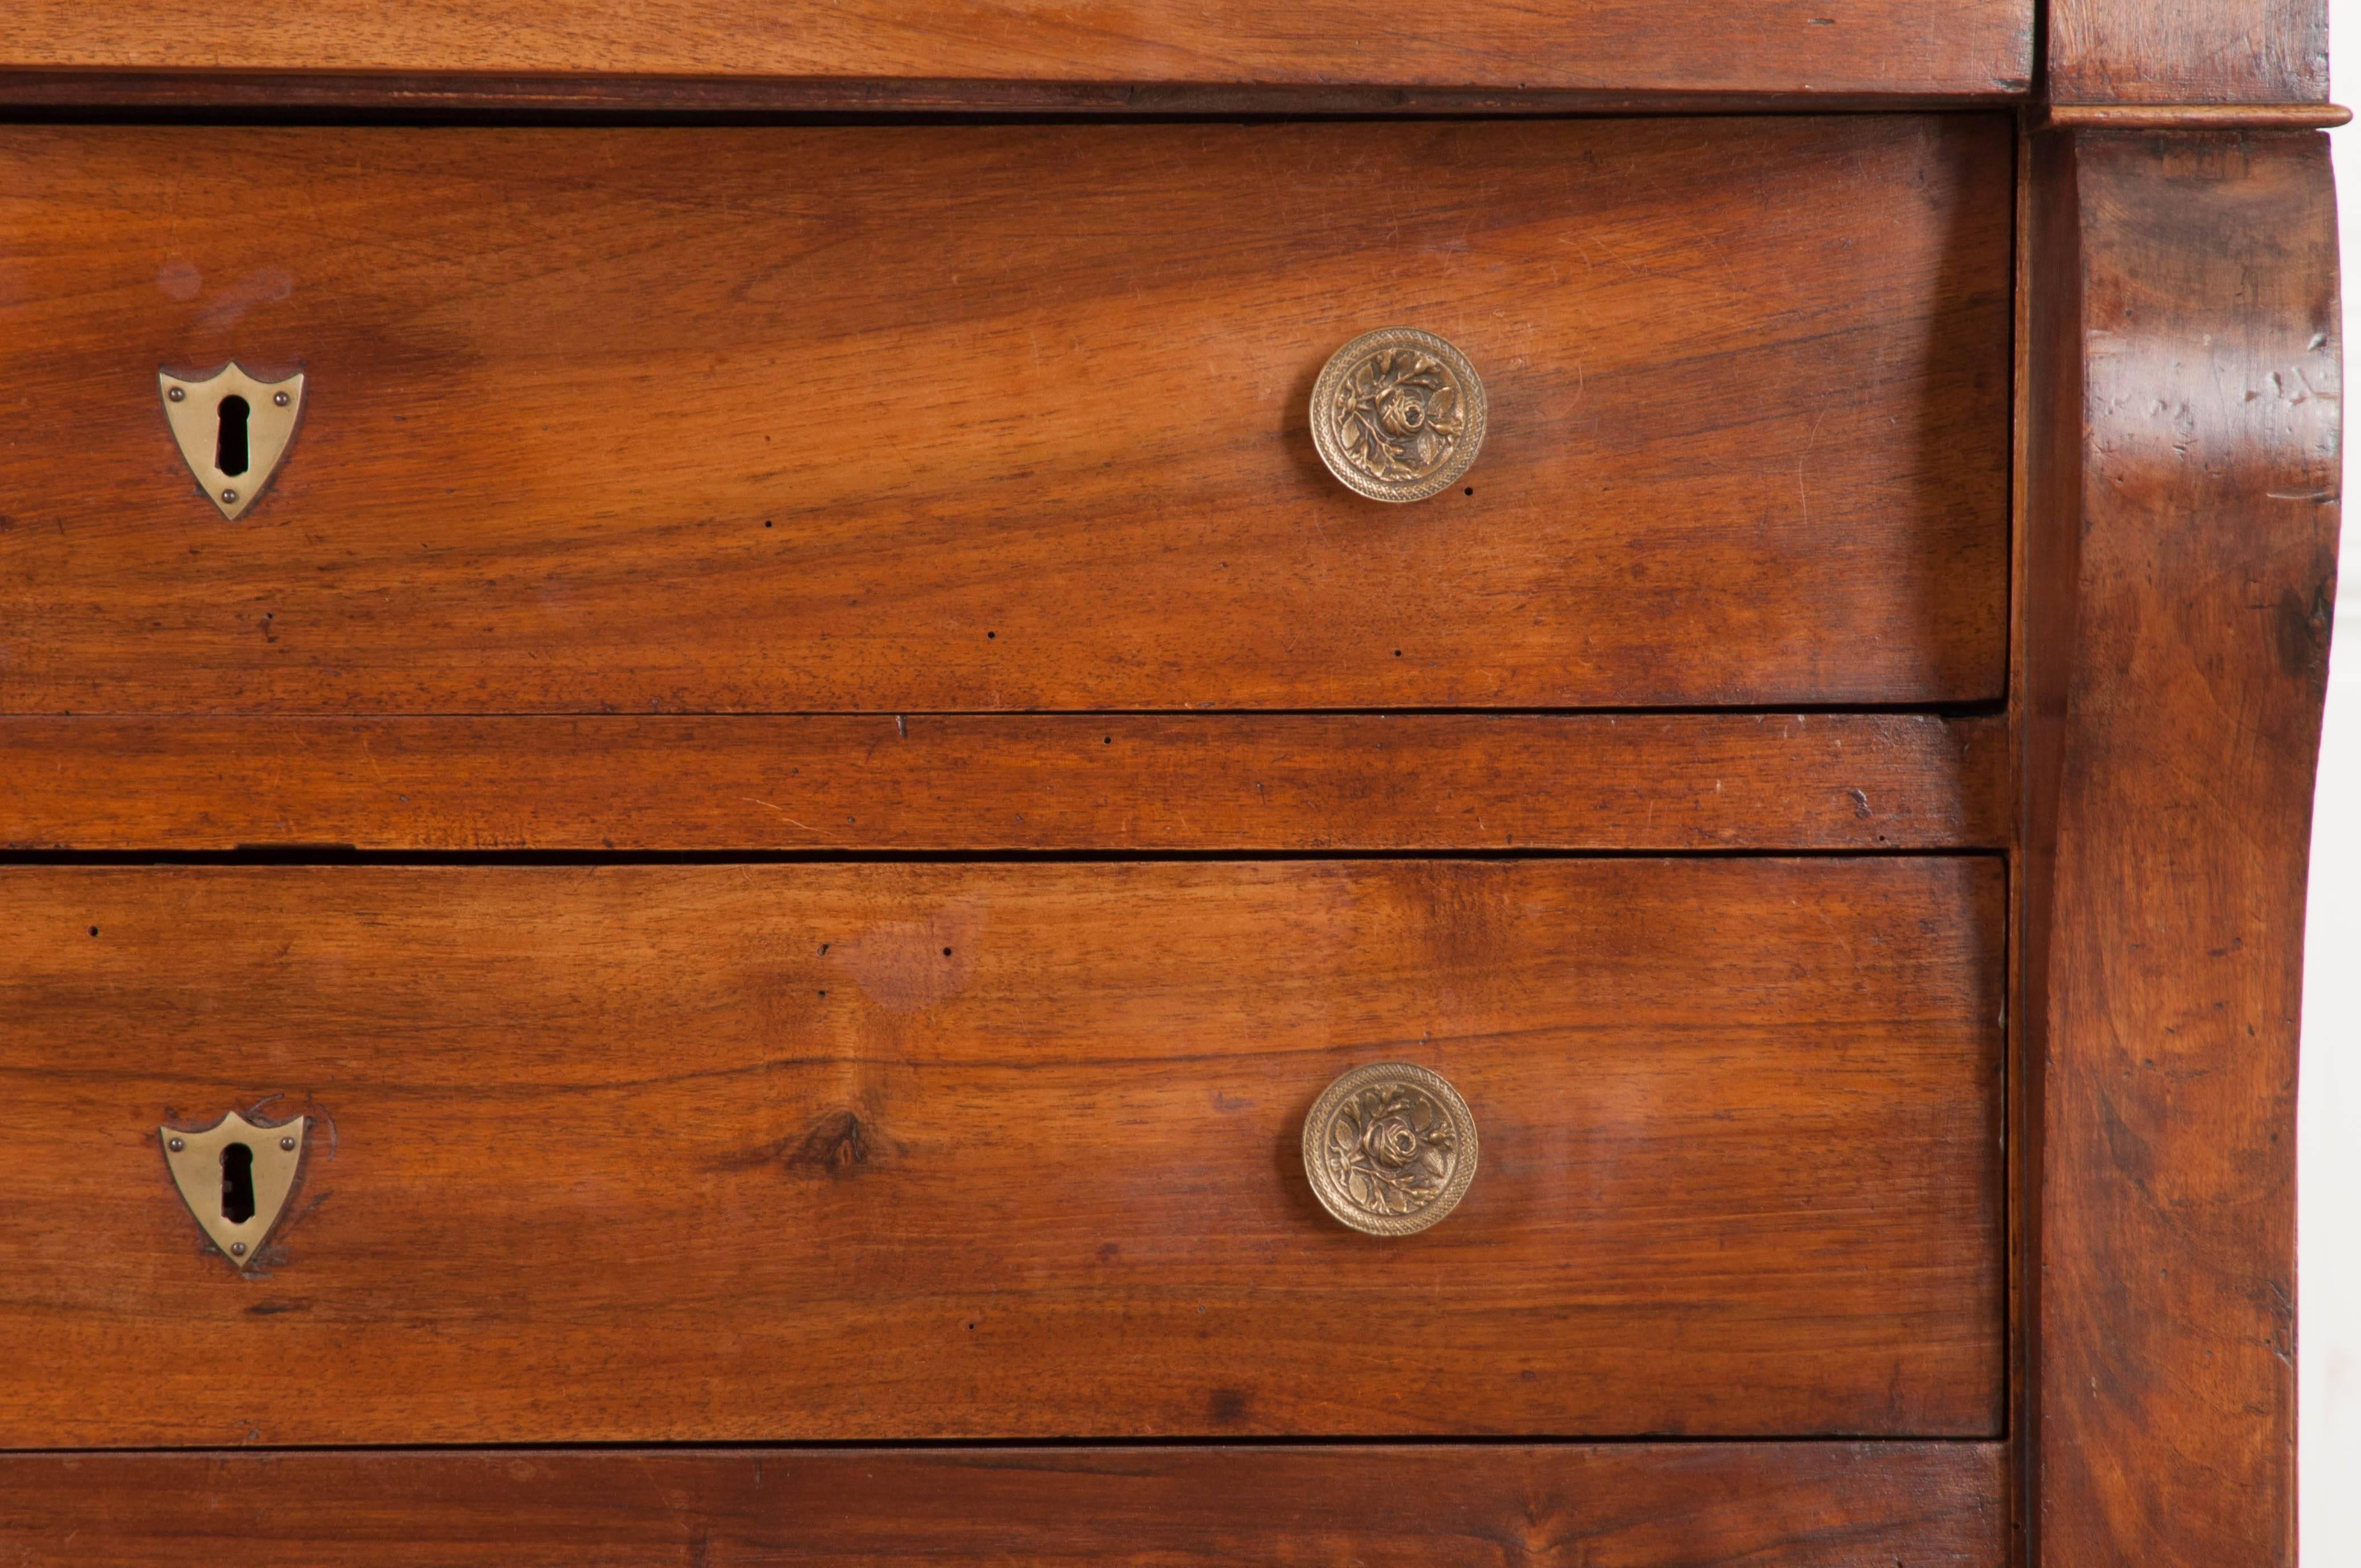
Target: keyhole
{"x": 229, "y": 446}
{"x": 237, "y": 1184}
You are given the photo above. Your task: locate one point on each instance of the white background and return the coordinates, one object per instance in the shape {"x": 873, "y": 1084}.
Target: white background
{"x": 2328, "y": 1130}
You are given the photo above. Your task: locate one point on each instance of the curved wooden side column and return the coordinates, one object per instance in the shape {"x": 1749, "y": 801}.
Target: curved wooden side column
{"x": 2178, "y": 570}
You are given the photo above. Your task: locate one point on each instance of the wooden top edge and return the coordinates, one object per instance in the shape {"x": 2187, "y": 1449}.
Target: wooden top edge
{"x": 2194, "y": 117}
{"x": 53, "y": 88}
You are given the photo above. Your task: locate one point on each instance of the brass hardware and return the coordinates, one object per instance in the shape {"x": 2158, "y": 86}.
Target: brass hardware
{"x": 1398, "y": 414}
{"x": 1389, "y": 1148}
{"x": 225, "y": 419}
{"x": 235, "y": 1197}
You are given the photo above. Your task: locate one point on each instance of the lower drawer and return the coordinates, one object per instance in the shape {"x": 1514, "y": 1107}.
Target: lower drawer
{"x": 862, "y": 1152}
{"x": 1628, "y": 1506}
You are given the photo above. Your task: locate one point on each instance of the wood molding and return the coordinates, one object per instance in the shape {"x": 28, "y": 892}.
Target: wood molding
{"x": 2180, "y": 569}
{"x": 2194, "y": 117}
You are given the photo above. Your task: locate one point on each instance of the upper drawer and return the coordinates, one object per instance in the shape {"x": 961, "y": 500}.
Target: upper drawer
{"x": 999, "y": 52}
{"x": 997, "y": 417}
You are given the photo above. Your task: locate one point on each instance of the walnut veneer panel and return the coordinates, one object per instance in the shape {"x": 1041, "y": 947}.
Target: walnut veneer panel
{"x": 1622, "y": 1506}
{"x": 893, "y": 1151}
{"x": 973, "y": 418}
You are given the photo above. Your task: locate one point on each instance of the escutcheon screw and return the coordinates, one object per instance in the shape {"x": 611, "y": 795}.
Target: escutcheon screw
{"x": 288, "y": 1144}
{"x": 229, "y": 495}
{"x": 237, "y": 1249}
{"x": 278, "y": 398}
{"x": 177, "y": 1145}
{"x": 175, "y": 393}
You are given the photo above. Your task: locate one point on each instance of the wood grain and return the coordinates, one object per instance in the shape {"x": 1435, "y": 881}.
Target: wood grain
{"x": 473, "y": 97}
{"x": 2181, "y": 569}
{"x": 932, "y": 782}
{"x": 1979, "y": 47}
{"x": 2187, "y": 51}
{"x": 1622, "y": 1506}
{"x": 683, "y": 420}
{"x": 925, "y": 1151}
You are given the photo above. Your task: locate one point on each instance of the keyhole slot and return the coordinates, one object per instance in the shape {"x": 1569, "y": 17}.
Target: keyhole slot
{"x": 229, "y": 443}
{"x": 238, "y": 1183}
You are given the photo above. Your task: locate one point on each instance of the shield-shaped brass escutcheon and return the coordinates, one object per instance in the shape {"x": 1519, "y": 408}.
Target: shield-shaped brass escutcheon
{"x": 234, "y": 1177}
{"x": 232, "y": 429}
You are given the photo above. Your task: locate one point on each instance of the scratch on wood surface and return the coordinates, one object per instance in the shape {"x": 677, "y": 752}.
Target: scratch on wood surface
{"x": 784, "y": 816}
{"x": 1803, "y": 498}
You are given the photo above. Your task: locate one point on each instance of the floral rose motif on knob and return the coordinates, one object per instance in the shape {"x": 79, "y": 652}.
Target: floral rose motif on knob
{"x": 1399, "y": 415}
{"x": 1389, "y": 1148}
{"x": 1392, "y": 1148}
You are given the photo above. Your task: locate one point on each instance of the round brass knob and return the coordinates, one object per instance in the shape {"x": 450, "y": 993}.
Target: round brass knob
{"x": 1398, "y": 414}
{"x": 1389, "y": 1148}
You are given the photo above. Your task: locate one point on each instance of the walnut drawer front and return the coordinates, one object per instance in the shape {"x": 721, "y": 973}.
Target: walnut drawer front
{"x": 992, "y": 418}
{"x": 855, "y": 1152}
{"x": 1807, "y": 1505}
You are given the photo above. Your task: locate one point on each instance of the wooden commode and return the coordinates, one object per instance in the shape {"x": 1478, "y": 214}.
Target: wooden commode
{"x": 789, "y": 783}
